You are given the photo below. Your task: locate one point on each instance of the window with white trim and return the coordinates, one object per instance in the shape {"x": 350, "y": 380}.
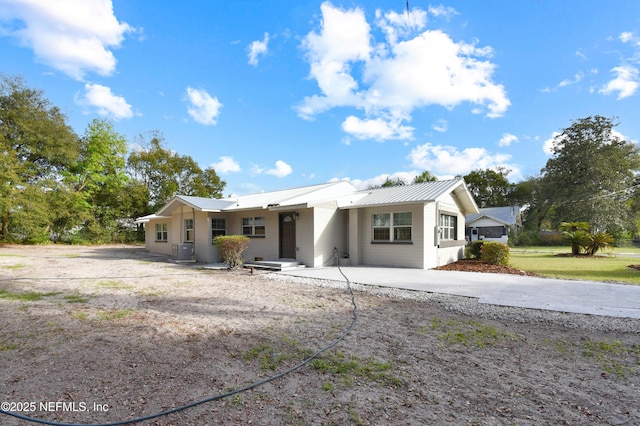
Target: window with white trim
{"x": 218, "y": 227}
{"x": 188, "y": 230}
{"x": 392, "y": 227}
{"x": 253, "y": 226}
{"x": 448, "y": 227}
{"x": 161, "y": 232}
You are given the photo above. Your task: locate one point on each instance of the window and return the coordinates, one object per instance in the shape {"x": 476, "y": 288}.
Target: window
{"x": 161, "y": 232}
{"x": 392, "y": 227}
{"x": 188, "y": 230}
{"x": 448, "y": 227}
{"x": 253, "y": 226}
{"x": 218, "y": 227}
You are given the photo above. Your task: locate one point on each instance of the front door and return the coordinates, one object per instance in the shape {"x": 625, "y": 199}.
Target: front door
{"x": 287, "y": 236}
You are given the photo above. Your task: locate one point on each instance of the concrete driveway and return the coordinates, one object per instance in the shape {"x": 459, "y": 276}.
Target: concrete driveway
{"x": 583, "y": 297}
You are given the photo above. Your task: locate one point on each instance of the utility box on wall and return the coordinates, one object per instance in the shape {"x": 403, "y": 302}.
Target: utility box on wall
{"x": 182, "y": 251}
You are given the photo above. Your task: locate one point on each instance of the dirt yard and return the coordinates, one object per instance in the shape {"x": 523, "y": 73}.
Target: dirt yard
{"x": 109, "y": 334}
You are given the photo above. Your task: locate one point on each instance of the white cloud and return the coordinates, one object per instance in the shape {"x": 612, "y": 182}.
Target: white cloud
{"x": 507, "y": 139}
{"x": 627, "y": 36}
{"x": 441, "y": 126}
{"x": 448, "y": 161}
{"x": 377, "y": 128}
{"x": 410, "y": 70}
{"x": 444, "y": 11}
{"x": 204, "y": 108}
{"x": 281, "y": 170}
{"x": 107, "y": 104}
{"x": 226, "y": 165}
{"x": 625, "y": 84}
{"x": 74, "y": 37}
{"x": 258, "y": 48}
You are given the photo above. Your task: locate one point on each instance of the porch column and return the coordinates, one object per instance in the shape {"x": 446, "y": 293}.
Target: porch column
{"x": 354, "y": 237}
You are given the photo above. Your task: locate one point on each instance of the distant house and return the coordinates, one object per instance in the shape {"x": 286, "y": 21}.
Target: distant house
{"x": 493, "y": 224}
{"x": 415, "y": 226}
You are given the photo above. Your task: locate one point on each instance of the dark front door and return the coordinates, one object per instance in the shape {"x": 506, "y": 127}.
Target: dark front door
{"x": 287, "y": 236}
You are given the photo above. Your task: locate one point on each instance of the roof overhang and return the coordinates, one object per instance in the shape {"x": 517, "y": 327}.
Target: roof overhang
{"x": 150, "y": 217}
{"x": 486, "y": 216}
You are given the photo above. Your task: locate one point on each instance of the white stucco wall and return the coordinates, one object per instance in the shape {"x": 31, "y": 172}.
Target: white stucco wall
{"x": 329, "y": 232}
{"x": 405, "y": 255}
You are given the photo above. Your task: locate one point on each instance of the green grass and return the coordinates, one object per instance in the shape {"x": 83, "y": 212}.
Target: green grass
{"x": 14, "y": 266}
{"x": 75, "y": 298}
{"x": 612, "y": 268}
{"x": 349, "y": 367}
{"x": 613, "y": 357}
{"x": 29, "y": 296}
{"x": 466, "y": 333}
{"x": 113, "y": 314}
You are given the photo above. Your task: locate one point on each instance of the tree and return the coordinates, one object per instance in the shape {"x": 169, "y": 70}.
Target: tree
{"x": 587, "y": 177}
{"x": 165, "y": 174}
{"x": 577, "y": 234}
{"x": 36, "y": 145}
{"x": 490, "y": 188}
{"x": 99, "y": 176}
{"x": 425, "y": 176}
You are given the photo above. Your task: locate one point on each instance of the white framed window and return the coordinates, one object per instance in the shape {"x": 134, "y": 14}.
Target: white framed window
{"x": 392, "y": 227}
{"x": 161, "y": 232}
{"x": 188, "y": 230}
{"x": 253, "y": 226}
{"x": 218, "y": 227}
{"x": 448, "y": 227}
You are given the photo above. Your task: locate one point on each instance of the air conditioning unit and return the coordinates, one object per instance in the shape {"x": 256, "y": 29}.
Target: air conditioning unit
{"x": 182, "y": 251}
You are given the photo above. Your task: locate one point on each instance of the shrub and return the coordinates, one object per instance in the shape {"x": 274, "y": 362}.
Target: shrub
{"x": 230, "y": 248}
{"x": 495, "y": 253}
{"x": 472, "y": 251}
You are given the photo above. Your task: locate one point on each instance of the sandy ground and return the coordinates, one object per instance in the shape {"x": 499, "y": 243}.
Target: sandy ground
{"x": 108, "y": 334}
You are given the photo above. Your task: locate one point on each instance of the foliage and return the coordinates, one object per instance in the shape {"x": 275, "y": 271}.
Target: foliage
{"x": 490, "y": 188}
{"x": 165, "y": 173}
{"x": 598, "y": 241}
{"x": 581, "y": 240}
{"x": 425, "y": 176}
{"x": 588, "y": 175}
{"x": 495, "y": 253}
{"x": 56, "y": 186}
{"x": 577, "y": 234}
{"x": 230, "y": 248}
{"x": 36, "y": 144}
{"x": 473, "y": 250}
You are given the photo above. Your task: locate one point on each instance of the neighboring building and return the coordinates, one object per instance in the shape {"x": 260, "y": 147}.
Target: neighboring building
{"x": 493, "y": 224}
{"x": 415, "y": 226}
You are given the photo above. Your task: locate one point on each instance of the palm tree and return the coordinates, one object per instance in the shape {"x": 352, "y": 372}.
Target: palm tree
{"x": 577, "y": 234}
{"x": 598, "y": 241}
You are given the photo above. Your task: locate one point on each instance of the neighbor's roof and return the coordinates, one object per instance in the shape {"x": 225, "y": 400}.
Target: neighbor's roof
{"x": 416, "y": 193}
{"x": 509, "y": 215}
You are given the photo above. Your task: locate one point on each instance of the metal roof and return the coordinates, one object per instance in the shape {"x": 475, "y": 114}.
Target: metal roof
{"x": 508, "y": 215}
{"x": 306, "y": 195}
{"x": 342, "y": 193}
{"x": 416, "y": 193}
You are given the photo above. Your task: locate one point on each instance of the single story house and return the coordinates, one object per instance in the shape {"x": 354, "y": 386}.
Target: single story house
{"x": 493, "y": 224}
{"x": 415, "y": 226}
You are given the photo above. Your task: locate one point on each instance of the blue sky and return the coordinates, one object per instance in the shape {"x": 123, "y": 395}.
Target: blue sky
{"x": 277, "y": 94}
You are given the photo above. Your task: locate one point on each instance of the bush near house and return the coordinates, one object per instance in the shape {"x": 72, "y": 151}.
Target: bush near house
{"x": 495, "y": 253}
{"x": 230, "y": 248}
{"x": 472, "y": 251}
